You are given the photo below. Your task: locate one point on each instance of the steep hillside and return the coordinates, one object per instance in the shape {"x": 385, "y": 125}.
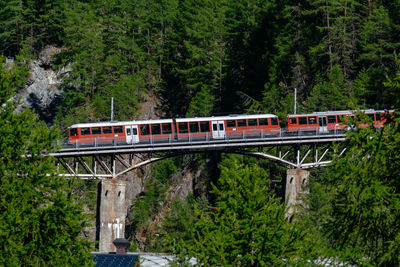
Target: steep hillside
{"x": 187, "y": 58}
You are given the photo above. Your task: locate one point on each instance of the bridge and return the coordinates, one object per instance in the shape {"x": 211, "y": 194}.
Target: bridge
{"x": 112, "y": 160}
{"x": 96, "y": 160}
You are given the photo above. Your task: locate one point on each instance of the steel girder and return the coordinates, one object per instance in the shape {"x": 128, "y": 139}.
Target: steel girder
{"x": 113, "y": 164}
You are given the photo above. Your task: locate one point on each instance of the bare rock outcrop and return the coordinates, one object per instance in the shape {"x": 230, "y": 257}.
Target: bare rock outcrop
{"x": 43, "y": 91}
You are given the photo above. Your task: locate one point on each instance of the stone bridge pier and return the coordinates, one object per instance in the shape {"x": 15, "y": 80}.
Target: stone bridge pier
{"x": 296, "y": 179}
{"x": 111, "y": 213}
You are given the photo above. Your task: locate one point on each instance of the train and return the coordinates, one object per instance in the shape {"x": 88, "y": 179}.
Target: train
{"x": 331, "y": 121}
{"x": 214, "y": 128}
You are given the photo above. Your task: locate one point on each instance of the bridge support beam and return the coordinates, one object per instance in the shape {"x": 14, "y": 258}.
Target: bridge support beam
{"x": 296, "y": 180}
{"x": 111, "y": 213}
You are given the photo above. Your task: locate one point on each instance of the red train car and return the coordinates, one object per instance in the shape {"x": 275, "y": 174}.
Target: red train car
{"x": 182, "y": 129}
{"x": 228, "y": 127}
{"x": 102, "y": 132}
{"x": 329, "y": 121}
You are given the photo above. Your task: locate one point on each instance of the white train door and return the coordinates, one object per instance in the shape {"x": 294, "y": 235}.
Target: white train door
{"x": 218, "y": 129}
{"x": 323, "y": 127}
{"x": 131, "y": 134}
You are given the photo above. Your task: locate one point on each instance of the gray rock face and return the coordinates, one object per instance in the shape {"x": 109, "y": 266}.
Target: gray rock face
{"x": 43, "y": 92}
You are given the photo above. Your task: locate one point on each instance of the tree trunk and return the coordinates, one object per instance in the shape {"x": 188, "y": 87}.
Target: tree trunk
{"x": 329, "y": 37}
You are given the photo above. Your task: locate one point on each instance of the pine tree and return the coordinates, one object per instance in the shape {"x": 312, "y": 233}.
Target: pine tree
{"x": 200, "y": 62}
{"x": 290, "y": 66}
{"x": 41, "y": 222}
{"x": 84, "y": 37}
{"x": 378, "y": 46}
{"x": 252, "y": 53}
{"x": 13, "y": 27}
{"x": 30, "y": 24}
{"x": 393, "y": 86}
{"x": 246, "y": 226}
{"x": 363, "y": 216}
{"x": 331, "y": 94}
{"x": 49, "y": 22}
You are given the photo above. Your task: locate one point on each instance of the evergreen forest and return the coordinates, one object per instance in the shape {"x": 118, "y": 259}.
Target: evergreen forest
{"x": 202, "y": 58}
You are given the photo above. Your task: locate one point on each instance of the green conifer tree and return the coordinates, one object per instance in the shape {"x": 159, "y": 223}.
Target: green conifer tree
{"x": 359, "y": 214}
{"x": 41, "y": 221}
{"x": 246, "y": 226}
{"x": 201, "y": 59}
{"x": 378, "y": 48}
{"x": 331, "y": 94}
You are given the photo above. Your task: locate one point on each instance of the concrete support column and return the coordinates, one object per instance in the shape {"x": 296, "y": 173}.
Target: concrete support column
{"x": 296, "y": 179}
{"x": 111, "y": 213}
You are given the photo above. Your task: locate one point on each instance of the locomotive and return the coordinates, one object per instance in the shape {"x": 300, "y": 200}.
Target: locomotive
{"x": 213, "y": 128}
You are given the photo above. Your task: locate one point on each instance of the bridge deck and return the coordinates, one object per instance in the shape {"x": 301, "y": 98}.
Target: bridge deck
{"x": 194, "y": 145}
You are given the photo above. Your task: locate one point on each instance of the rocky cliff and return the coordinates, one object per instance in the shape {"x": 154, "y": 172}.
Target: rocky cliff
{"x": 43, "y": 91}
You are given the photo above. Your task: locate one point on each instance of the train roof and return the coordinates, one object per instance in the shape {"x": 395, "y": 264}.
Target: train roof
{"x": 230, "y": 117}
{"x": 138, "y": 122}
{"x": 338, "y": 112}
{"x": 118, "y": 123}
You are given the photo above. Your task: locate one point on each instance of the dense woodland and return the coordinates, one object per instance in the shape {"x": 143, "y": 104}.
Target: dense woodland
{"x": 201, "y": 58}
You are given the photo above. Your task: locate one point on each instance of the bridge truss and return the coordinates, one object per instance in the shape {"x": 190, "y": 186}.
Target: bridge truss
{"x": 106, "y": 162}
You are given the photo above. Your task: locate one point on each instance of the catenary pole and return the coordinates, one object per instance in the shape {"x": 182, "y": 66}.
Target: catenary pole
{"x": 295, "y": 95}
{"x": 112, "y": 108}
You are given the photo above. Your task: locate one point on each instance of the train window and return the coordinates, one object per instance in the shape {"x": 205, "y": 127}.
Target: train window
{"x": 128, "y": 131}
{"x": 145, "y": 129}
{"x": 252, "y": 122}
{"x": 155, "y": 129}
{"x": 274, "y": 121}
{"x": 371, "y": 116}
{"x": 263, "y": 122}
{"x": 241, "y": 123}
{"x": 339, "y": 118}
{"x": 293, "y": 121}
{"x": 312, "y": 120}
{"x": 183, "y": 127}
{"x": 230, "y": 123}
{"x": 85, "y": 131}
{"x": 204, "y": 126}
{"x": 302, "y": 120}
{"x": 73, "y": 132}
{"x": 194, "y": 127}
{"x": 378, "y": 116}
{"x": 331, "y": 119}
{"x": 134, "y": 131}
{"x": 96, "y": 130}
{"x": 118, "y": 129}
{"x": 215, "y": 127}
{"x": 166, "y": 128}
{"x": 107, "y": 130}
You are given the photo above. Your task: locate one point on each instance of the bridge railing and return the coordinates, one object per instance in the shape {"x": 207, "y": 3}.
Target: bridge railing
{"x": 198, "y": 138}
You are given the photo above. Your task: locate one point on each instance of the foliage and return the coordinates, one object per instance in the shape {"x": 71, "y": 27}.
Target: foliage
{"x": 177, "y": 224}
{"x": 202, "y": 57}
{"x": 205, "y": 57}
{"x": 246, "y": 225}
{"x": 149, "y": 204}
{"x": 30, "y": 24}
{"x": 41, "y": 221}
{"x": 354, "y": 207}
{"x": 331, "y": 94}
{"x": 393, "y": 84}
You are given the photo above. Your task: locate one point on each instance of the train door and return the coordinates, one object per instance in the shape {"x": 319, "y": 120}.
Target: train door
{"x": 323, "y": 127}
{"x": 218, "y": 129}
{"x": 131, "y": 134}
